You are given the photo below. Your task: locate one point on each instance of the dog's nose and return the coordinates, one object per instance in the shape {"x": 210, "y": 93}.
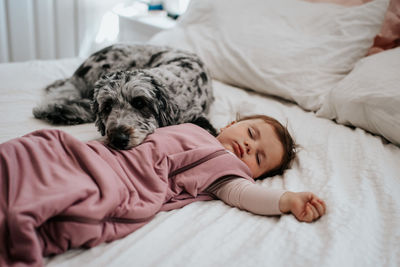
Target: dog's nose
{"x": 119, "y": 140}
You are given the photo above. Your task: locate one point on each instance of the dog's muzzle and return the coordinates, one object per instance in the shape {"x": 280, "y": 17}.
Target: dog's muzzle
{"x": 119, "y": 138}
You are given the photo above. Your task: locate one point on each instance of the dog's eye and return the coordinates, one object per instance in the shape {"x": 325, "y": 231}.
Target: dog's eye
{"x": 107, "y": 107}
{"x": 138, "y": 103}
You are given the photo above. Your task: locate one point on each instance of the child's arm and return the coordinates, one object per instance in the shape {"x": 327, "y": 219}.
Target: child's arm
{"x": 243, "y": 194}
{"x": 305, "y": 206}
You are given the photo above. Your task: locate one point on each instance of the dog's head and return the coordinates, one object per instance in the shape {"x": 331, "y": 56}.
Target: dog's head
{"x": 130, "y": 105}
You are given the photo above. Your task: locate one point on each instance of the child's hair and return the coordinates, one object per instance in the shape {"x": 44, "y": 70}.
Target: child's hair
{"x": 289, "y": 145}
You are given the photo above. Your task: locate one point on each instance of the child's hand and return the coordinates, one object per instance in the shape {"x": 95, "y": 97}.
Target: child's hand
{"x": 306, "y": 206}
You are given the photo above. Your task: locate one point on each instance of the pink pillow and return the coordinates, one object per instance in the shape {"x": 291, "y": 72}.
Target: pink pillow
{"x": 389, "y": 36}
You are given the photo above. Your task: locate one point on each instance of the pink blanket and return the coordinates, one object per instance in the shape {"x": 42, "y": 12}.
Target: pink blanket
{"x": 59, "y": 193}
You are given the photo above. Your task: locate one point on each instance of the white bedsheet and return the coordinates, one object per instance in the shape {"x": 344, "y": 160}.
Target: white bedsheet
{"x": 357, "y": 174}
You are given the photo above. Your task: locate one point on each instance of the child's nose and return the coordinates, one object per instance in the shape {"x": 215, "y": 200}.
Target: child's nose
{"x": 247, "y": 147}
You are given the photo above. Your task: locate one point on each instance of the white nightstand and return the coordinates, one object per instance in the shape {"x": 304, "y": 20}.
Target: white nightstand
{"x": 140, "y": 28}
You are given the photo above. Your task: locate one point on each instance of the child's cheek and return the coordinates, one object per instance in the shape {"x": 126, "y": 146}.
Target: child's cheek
{"x": 251, "y": 166}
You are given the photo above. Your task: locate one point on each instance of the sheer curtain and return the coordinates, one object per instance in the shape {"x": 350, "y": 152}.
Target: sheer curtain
{"x": 50, "y": 29}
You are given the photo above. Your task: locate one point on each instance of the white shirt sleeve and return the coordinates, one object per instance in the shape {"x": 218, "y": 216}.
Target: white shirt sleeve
{"x": 245, "y": 195}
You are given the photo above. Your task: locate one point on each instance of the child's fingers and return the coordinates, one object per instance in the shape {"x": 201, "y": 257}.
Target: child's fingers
{"x": 307, "y": 215}
{"x": 315, "y": 213}
{"x": 319, "y": 206}
{"x": 320, "y": 201}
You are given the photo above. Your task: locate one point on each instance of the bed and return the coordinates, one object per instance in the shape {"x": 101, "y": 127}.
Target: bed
{"x": 303, "y": 63}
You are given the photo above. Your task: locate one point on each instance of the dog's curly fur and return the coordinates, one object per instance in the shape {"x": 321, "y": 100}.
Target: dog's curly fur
{"x": 130, "y": 90}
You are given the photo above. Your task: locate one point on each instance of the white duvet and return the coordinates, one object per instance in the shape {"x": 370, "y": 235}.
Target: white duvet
{"x": 356, "y": 173}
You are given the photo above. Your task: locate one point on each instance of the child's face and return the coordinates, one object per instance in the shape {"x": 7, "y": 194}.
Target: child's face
{"x": 255, "y": 143}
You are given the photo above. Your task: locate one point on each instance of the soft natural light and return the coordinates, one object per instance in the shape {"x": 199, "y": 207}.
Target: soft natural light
{"x": 109, "y": 28}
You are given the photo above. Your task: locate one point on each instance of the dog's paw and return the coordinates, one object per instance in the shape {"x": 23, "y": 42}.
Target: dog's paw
{"x": 68, "y": 113}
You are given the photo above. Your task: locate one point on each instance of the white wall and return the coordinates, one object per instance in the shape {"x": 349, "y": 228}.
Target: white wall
{"x": 49, "y": 29}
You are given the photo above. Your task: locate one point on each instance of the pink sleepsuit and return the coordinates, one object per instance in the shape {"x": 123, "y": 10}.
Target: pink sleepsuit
{"x": 59, "y": 193}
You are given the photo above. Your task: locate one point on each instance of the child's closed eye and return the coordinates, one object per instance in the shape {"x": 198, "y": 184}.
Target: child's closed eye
{"x": 251, "y": 134}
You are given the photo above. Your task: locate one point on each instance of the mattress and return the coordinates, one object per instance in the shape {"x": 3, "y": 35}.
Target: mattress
{"x": 355, "y": 172}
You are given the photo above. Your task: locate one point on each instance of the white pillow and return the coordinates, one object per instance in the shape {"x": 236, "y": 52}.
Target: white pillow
{"x": 369, "y": 97}
{"x": 289, "y": 48}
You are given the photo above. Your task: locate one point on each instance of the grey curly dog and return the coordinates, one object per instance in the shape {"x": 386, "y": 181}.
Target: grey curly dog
{"x": 129, "y": 91}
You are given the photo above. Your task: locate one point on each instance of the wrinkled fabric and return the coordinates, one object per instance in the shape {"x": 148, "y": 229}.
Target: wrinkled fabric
{"x": 59, "y": 193}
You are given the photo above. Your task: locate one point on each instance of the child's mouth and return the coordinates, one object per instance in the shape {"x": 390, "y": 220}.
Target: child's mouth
{"x": 238, "y": 149}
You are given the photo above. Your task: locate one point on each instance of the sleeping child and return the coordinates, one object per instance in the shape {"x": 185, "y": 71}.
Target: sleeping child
{"x": 59, "y": 193}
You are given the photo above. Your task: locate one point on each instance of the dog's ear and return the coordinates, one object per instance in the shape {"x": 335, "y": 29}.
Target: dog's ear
{"x": 95, "y": 109}
{"x": 165, "y": 116}
{"x": 166, "y": 109}
{"x": 95, "y": 106}
{"x": 100, "y": 126}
